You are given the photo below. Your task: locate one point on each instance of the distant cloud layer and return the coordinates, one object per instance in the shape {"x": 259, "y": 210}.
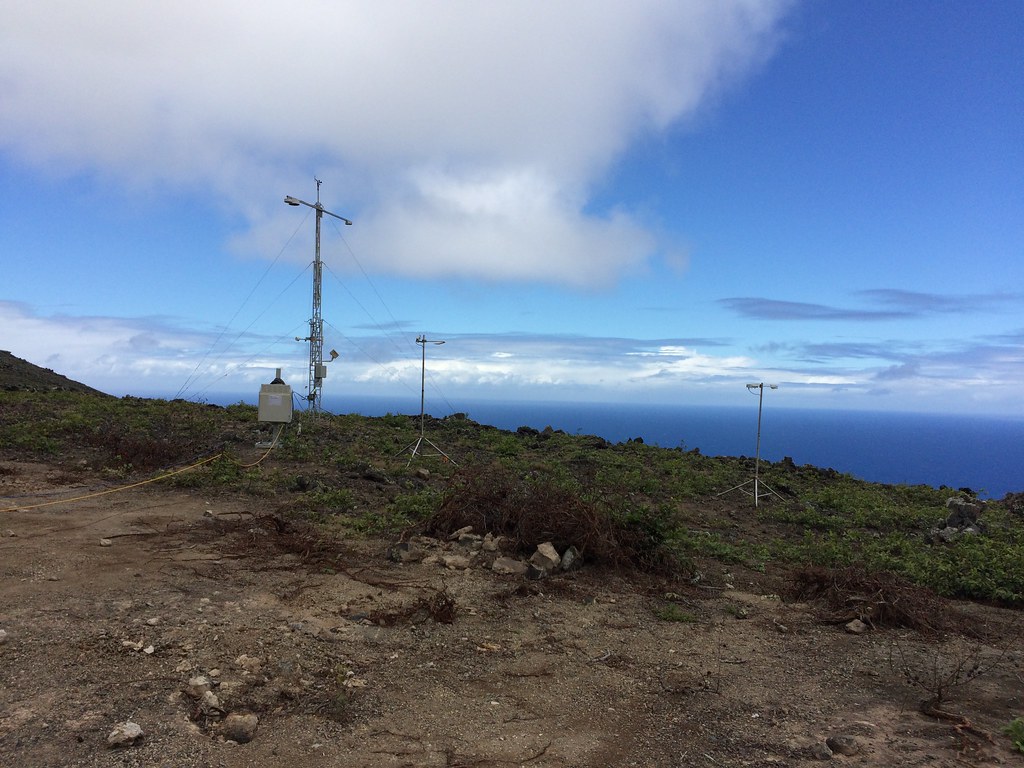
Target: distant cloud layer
{"x": 898, "y": 305}
{"x": 459, "y": 154}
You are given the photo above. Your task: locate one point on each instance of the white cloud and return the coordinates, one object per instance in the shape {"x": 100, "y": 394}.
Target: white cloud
{"x": 155, "y": 356}
{"x": 466, "y": 134}
{"x": 128, "y": 355}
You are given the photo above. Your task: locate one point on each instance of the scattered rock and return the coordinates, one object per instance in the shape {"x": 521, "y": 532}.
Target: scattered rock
{"x": 509, "y": 566}
{"x": 3, "y": 636}
{"x": 843, "y": 744}
{"x": 535, "y": 573}
{"x": 124, "y": 734}
{"x": 472, "y": 540}
{"x": 456, "y": 534}
{"x": 106, "y": 542}
{"x": 961, "y": 513}
{"x": 570, "y": 559}
{"x": 546, "y": 558}
{"x": 456, "y": 562}
{"x": 821, "y": 751}
{"x": 240, "y": 727}
{"x": 422, "y": 473}
{"x": 856, "y": 627}
{"x": 405, "y": 552}
{"x": 962, "y": 518}
{"x": 250, "y": 665}
{"x": 209, "y": 703}
{"x": 490, "y": 543}
{"x": 198, "y": 686}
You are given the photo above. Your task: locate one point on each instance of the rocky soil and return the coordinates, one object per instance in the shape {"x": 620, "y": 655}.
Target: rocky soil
{"x": 159, "y": 627}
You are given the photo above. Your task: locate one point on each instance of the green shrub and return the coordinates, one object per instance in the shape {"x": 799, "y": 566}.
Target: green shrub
{"x": 672, "y": 612}
{"x": 1015, "y": 730}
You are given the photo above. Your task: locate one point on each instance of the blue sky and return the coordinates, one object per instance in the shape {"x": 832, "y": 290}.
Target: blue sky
{"x": 652, "y": 201}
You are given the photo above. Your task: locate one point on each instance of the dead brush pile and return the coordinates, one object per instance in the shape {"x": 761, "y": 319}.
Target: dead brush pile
{"x": 879, "y": 598}
{"x": 536, "y": 508}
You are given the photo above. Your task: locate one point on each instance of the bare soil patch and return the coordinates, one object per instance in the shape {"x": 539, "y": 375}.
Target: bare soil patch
{"x": 111, "y": 605}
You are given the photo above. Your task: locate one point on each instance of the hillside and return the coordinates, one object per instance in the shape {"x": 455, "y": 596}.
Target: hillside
{"x": 336, "y": 600}
{"x": 17, "y": 375}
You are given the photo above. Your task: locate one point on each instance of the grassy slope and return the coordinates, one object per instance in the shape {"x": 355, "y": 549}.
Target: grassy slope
{"x": 18, "y": 374}
{"x": 348, "y": 474}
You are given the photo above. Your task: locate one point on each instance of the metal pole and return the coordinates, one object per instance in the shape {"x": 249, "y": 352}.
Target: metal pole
{"x": 422, "y": 341}
{"x": 757, "y": 458}
{"x": 316, "y": 323}
{"x": 413, "y": 449}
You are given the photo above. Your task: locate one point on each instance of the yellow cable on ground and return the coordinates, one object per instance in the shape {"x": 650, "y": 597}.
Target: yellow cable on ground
{"x": 277, "y": 435}
{"x": 273, "y": 442}
{"x": 115, "y": 490}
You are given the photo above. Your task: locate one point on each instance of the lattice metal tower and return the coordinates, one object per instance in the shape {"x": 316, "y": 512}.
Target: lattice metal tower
{"x": 317, "y": 369}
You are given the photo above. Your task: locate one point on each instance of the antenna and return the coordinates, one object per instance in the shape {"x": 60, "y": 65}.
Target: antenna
{"x": 414, "y": 448}
{"x": 317, "y": 369}
{"x": 757, "y": 387}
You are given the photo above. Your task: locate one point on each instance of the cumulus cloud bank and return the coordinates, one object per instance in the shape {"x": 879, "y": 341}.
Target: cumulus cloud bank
{"x": 467, "y": 136}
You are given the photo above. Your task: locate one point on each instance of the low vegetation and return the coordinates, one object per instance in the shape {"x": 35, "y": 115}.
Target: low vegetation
{"x": 625, "y": 505}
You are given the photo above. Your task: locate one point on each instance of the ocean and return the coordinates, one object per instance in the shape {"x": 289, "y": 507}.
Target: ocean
{"x": 985, "y": 454}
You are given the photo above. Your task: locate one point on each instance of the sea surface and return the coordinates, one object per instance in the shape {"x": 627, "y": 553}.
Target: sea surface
{"x": 985, "y": 454}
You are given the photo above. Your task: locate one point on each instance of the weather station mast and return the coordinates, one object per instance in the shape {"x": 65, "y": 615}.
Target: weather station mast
{"x": 317, "y": 369}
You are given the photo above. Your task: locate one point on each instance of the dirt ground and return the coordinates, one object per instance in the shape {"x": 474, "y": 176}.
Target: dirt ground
{"x": 112, "y": 605}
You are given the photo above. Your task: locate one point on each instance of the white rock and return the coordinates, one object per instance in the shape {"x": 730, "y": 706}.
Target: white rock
{"x": 457, "y": 562}
{"x": 3, "y": 636}
{"x": 570, "y": 559}
{"x": 455, "y": 534}
{"x": 105, "y": 542}
{"x": 249, "y": 664}
{"x": 124, "y": 734}
{"x": 198, "y": 686}
{"x": 856, "y": 627}
{"x": 546, "y": 557}
{"x": 209, "y": 702}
